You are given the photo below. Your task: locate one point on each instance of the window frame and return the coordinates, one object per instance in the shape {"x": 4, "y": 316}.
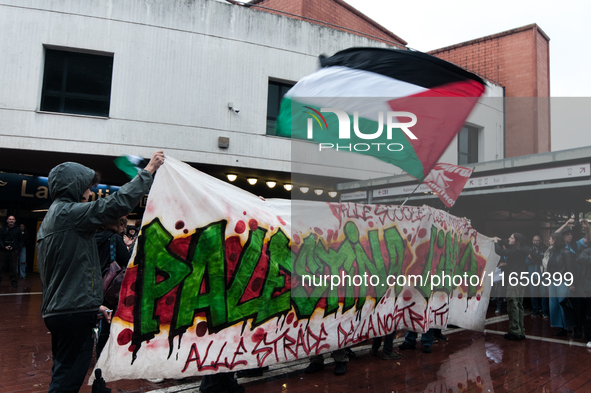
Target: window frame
{"x": 472, "y": 155}
{"x": 67, "y": 57}
{"x": 282, "y": 84}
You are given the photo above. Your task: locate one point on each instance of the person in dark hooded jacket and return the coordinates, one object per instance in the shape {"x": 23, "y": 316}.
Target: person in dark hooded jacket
{"x": 515, "y": 265}
{"x": 111, "y": 247}
{"x": 69, "y": 263}
{"x": 112, "y": 234}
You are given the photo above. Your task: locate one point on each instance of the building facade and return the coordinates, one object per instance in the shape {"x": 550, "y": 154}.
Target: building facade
{"x": 91, "y": 81}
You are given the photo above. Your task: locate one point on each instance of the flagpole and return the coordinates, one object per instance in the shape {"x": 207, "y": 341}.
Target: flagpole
{"x": 411, "y": 194}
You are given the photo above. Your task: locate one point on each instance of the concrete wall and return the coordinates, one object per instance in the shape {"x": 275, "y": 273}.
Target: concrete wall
{"x": 177, "y": 65}
{"x": 488, "y": 117}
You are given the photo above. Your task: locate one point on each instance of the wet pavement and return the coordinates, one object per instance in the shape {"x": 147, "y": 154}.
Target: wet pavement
{"x": 469, "y": 362}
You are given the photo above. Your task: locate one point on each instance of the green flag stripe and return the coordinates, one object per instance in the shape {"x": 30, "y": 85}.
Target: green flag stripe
{"x": 125, "y": 165}
{"x": 293, "y": 122}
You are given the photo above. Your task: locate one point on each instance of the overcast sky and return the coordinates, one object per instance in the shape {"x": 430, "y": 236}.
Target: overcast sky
{"x": 430, "y": 24}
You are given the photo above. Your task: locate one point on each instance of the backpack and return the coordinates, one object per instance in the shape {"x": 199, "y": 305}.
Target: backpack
{"x": 113, "y": 278}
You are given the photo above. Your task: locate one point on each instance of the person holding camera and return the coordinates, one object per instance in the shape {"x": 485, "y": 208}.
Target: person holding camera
{"x": 566, "y": 230}
{"x": 11, "y": 242}
{"x": 129, "y": 238}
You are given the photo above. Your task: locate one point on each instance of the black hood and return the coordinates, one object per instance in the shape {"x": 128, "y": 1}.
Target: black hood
{"x": 102, "y": 236}
{"x": 69, "y": 180}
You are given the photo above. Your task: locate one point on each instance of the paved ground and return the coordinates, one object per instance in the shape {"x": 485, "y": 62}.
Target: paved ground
{"x": 468, "y": 362}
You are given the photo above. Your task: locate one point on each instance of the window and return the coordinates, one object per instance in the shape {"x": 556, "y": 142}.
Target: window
{"x": 276, "y": 92}
{"x": 78, "y": 83}
{"x": 468, "y": 145}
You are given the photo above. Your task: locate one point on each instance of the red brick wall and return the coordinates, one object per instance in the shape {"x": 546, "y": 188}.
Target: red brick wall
{"x": 518, "y": 60}
{"x": 335, "y": 12}
{"x": 291, "y": 6}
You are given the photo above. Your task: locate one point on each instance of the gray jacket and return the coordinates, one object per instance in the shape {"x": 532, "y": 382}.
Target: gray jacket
{"x": 66, "y": 248}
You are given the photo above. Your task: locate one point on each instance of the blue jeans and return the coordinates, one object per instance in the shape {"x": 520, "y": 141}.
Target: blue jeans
{"x": 557, "y": 317}
{"x": 22, "y": 263}
{"x": 426, "y": 338}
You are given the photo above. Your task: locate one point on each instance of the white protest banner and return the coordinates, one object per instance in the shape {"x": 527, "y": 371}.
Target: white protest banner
{"x": 221, "y": 280}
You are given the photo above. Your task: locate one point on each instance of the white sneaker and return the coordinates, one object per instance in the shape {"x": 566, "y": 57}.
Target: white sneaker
{"x": 155, "y": 380}
{"x": 589, "y": 344}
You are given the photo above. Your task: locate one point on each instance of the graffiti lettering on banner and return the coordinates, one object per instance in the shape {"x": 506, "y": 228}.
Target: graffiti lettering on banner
{"x": 221, "y": 280}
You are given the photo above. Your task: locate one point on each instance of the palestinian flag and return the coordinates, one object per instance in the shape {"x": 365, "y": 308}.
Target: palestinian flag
{"x": 397, "y": 83}
{"x": 131, "y": 165}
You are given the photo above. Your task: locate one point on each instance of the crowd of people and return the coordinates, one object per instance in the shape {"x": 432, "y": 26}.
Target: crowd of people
{"x": 79, "y": 235}
{"x": 558, "y": 279}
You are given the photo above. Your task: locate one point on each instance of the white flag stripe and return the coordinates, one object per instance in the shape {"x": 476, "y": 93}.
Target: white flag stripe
{"x": 367, "y": 108}
{"x": 349, "y": 82}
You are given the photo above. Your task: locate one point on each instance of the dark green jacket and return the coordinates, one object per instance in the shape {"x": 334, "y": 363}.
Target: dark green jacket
{"x": 66, "y": 248}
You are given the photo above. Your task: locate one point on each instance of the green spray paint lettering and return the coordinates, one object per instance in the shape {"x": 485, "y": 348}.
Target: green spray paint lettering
{"x": 207, "y": 256}
{"x": 304, "y": 302}
{"x": 152, "y": 258}
{"x": 205, "y": 267}
{"x": 447, "y": 263}
{"x": 317, "y": 260}
{"x": 396, "y": 249}
{"x": 279, "y": 260}
{"x": 468, "y": 267}
{"x": 425, "y": 289}
{"x": 251, "y": 253}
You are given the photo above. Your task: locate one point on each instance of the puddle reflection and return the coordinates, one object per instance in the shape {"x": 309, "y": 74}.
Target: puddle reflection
{"x": 467, "y": 370}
